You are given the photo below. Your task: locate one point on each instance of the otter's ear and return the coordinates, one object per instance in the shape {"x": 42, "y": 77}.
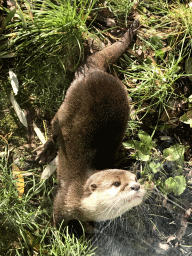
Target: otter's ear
{"x": 93, "y": 186}
{"x": 90, "y": 186}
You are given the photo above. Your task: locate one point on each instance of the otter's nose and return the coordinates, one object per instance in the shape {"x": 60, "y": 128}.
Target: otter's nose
{"x": 135, "y": 186}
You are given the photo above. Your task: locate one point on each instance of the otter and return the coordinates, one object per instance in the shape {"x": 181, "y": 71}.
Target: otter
{"x": 89, "y": 128}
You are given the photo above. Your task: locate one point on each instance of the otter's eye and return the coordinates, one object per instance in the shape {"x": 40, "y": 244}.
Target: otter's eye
{"x": 116, "y": 183}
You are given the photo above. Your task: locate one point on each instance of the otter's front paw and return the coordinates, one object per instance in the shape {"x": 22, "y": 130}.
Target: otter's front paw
{"x": 48, "y": 153}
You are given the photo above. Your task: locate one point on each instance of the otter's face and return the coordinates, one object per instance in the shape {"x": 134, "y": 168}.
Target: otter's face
{"x": 110, "y": 193}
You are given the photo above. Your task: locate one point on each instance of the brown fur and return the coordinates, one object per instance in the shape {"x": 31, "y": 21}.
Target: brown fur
{"x": 89, "y": 127}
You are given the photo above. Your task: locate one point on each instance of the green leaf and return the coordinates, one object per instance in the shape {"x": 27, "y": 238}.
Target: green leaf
{"x": 159, "y": 54}
{"x": 156, "y": 42}
{"x": 146, "y": 143}
{"x": 27, "y": 4}
{"x": 155, "y": 167}
{"x": 22, "y": 16}
{"x": 7, "y": 19}
{"x": 146, "y": 138}
{"x": 142, "y": 151}
{"x": 176, "y": 185}
{"x": 190, "y": 98}
{"x": 187, "y": 118}
{"x": 133, "y": 144}
{"x": 142, "y": 157}
{"x": 142, "y": 147}
{"x": 174, "y": 153}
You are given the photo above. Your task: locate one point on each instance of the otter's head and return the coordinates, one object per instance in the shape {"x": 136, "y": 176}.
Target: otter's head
{"x": 110, "y": 193}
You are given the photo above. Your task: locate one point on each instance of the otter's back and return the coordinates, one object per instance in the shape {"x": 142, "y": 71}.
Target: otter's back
{"x": 93, "y": 118}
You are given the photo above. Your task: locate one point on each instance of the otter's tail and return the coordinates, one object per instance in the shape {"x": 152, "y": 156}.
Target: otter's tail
{"x": 102, "y": 59}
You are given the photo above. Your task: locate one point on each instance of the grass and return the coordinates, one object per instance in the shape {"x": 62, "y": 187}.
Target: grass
{"x": 25, "y": 218}
{"x": 46, "y": 40}
{"x": 43, "y": 43}
{"x": 121, "y": 8}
